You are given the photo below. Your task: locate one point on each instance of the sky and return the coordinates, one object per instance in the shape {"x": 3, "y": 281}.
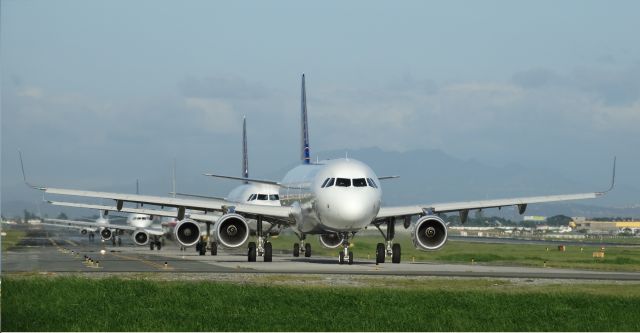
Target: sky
{"x": 99, "y": 93}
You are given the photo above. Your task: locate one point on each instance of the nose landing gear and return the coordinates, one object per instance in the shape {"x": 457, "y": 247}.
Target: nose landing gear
{"x": 302, "y": 247}
{"x": 345, "y": 256}
{"x": 264, "y": 248}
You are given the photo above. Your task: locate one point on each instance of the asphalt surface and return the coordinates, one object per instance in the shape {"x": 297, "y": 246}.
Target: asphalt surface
{"x": 64, "y": 251}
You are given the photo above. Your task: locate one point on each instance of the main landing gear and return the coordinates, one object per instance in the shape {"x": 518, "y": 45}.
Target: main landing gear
{"x": 155, "y": 243}
{"x": 345, "y": 256}
{"x": 390, "y": 250}
{"x": 263, "y": 248}
{"x": 303, "y": 247}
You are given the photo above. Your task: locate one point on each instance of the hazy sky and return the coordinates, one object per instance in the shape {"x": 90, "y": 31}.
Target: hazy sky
{"x": 99, "y": 93}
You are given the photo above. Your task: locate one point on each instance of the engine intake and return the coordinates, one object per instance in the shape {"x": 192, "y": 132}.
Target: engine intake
{"x": 231, "y": 230}
{"x": 83, "y": 231}
{"x": 140, "y": 237}
{"x": 187, "y": 232}
{"x": 106, "y": 234}
{"x": 331, "y": 241}
{"x": 429, "y": 233}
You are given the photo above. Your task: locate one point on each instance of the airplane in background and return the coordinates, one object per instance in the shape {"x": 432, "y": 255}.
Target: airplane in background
{"x": 333, "y": 198}
{"x": 140, "y": 226}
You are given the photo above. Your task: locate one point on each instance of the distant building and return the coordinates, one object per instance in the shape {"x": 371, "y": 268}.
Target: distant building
{"x": 608, "y": 227}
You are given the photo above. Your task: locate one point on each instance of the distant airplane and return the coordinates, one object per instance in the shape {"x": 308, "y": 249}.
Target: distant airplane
{"x": 140, "y": 226}
{"x": 334, "y": 199}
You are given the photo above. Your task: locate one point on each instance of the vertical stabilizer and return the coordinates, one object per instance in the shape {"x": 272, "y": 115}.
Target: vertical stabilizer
{"x": 245, "y": 155}
{"x": 137, "y": 192}
{"x": 305, "y": 154}
{"x": 173, "y": 178}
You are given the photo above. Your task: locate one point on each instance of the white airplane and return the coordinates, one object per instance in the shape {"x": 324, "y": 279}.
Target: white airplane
{"x": 334, "y": 199}
{"x": 140, "y": 226}
{"x": 247, "y": 193}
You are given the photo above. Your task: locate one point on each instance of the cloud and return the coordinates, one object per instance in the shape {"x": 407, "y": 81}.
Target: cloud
{"x": 222, "y": 88}
{"x": 215, "y": 115}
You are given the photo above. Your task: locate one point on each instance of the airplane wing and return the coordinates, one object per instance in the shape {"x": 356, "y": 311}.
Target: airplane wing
{"x": 465, "y": 206}
{"x": 276, "y": 214}
{"x": 94, "y": 229}
{"x": 93, "y": 225}
{"x": 152, "y": 212}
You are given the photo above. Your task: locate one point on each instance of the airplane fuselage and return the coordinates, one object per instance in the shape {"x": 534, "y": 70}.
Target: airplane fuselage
{"x": 340, "y": 195}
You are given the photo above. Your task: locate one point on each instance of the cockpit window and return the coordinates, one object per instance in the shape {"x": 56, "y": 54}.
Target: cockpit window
{"x": 331, "y": 182}
{"x": 252, "y": 197}
{"x": 325, "y": 182}
{"x": 372, "y": 183}
{"x": 344, "y": 182}
{"x": 359, "y": 182}
{"x": 274, "y": 197}
{"x": 263, "y": 197}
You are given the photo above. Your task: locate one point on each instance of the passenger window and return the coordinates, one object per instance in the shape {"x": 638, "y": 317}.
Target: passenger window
{"x": 331, "y": 182}
{"x": 263, "y": 197}
{"x": 344, "y": 182}
{"x": 359, "y": 182}
{"x": 372, "y": 183}
{"x": 325, "y": 182}
{"x": 274, "y": 197}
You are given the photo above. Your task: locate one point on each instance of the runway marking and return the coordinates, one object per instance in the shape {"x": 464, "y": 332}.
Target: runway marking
{"x": 71, "y": 242}
{"x": 147, "y": 262}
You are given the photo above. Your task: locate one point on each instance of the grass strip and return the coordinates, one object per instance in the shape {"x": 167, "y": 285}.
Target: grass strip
{"x": 112, "y": 304}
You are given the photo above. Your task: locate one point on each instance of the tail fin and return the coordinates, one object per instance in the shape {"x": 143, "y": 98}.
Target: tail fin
{"x": 245, "y": 155}
{"x": 305, "y": 154}
{"x": 137, "y": 192}
{"x": 173, "y": 178}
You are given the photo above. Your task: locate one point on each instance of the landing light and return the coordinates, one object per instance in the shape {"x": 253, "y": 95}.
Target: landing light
{"x": 103, "y": 251}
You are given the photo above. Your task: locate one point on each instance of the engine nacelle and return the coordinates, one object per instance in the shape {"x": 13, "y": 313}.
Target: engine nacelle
{"x": 187, "y": 232}
{"x": 83, "y": 231}
{"x": 106, "y": 234}
{"x": 429, "y": 233}
{"x": 331, "y": 241}
{"x": 140, "y": 237}
{"x": 231, "y": 230}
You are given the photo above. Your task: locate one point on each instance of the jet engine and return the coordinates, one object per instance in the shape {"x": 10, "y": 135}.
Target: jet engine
{"x": 429, "y": 233}
{"x": 106, "y": 234}
{"x": 331, "y": 241}
{"x": 140, "y": 237}
{"x": 83, "y": 231}
{"x": 231, "y": 230}
{"x": 187, "y": 232}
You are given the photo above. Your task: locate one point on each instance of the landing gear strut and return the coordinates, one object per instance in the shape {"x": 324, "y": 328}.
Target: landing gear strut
{"x": 302, "y": 247}
{"x": 390, "y": 249}
{"x": 263, "y": 248}
{"x": 346, "y": 256}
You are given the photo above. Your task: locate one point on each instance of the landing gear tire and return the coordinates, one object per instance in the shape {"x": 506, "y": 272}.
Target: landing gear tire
{"x": 251, "y": 255}
{"x": 119, "y": 241}
{"x": 151, "y": 244}
{"x": 198, "y": 245}
{"x": 307, "y": 250}
{"x": 341, "y": 258}
{"x": 113, "y": 241}
{"x": 203, "y": 249}
{"x": 380, "y": 253}
{"x": 395, "y": 258}
{"x": 158, "y": 245}
{"x": 350, "y": 258}
{"x": 296, "y": 250}
{"x": 268, "y": 251}
{"x": 214, "y": 249}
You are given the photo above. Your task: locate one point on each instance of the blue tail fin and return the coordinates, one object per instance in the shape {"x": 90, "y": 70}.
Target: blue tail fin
{"x": 245, "y": 155}
{"x": 305, "y": 154}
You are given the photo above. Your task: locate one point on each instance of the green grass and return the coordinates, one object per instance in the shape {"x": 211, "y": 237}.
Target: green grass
{"x": 12, "y": 238}
{"x": 78, "y": 304}
{"x": 617, "y": 258}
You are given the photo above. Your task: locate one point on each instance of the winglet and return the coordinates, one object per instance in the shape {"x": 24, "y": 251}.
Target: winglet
{"x": 306, "y": 159}
{"x": 24, "y": 176}
{"x": 613, "y": 179}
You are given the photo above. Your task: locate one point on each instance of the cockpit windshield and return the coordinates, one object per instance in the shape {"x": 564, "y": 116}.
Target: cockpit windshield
{"x": 359, "y": 182}
{"x": 263, "y": 197}
{"x": 343, "y": 182}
